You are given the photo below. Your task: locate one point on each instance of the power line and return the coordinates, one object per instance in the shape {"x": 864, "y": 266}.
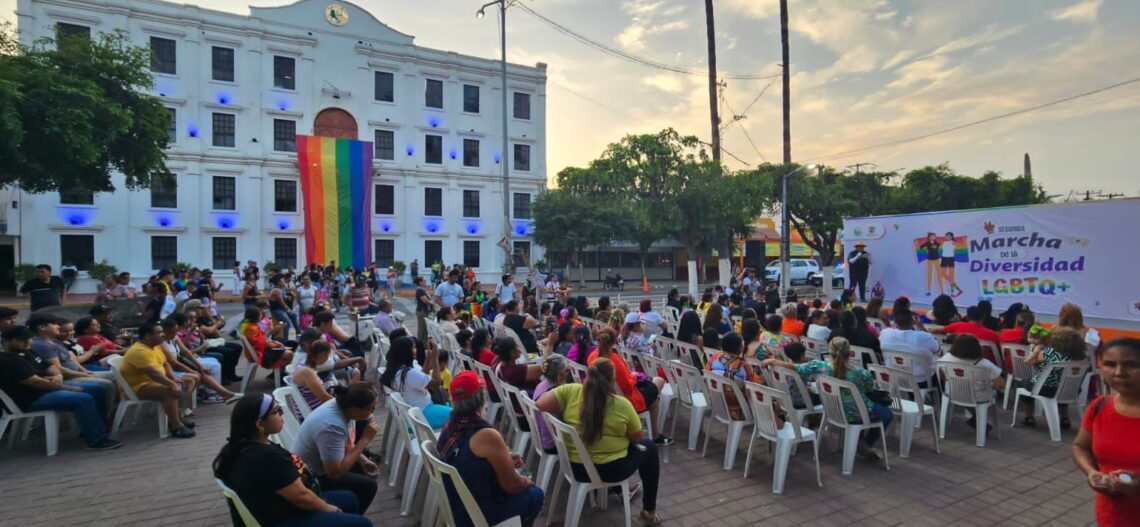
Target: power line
{"x": 1021, "y": 111}
{"x": 600, "y": 104}
{"x": 604, "y": 48}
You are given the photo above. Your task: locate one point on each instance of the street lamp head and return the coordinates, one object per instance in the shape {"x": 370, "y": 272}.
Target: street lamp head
{"x": 482, "y": 13}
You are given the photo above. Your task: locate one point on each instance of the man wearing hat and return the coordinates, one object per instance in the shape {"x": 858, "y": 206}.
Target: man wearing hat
{"x": 858, "y": 265}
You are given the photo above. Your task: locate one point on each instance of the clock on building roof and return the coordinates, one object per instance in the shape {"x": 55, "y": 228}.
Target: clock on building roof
{"x": 336, "y": 15}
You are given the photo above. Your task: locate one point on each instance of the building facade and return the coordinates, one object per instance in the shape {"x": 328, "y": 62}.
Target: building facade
{"x": 239, "y": 88}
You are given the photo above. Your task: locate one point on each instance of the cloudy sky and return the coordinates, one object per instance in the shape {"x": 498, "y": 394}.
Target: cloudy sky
{"x": 865, "y": 72}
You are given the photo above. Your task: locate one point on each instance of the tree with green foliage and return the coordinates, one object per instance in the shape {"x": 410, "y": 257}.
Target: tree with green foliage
{"x": 568, "y": 222}
{"x": 73, "y": 111}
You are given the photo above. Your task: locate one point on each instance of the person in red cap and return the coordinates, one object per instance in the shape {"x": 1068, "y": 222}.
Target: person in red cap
{"x": 480, "y": 454}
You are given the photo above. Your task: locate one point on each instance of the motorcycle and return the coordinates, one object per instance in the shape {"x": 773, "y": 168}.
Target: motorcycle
{"x": 614, "y": 282}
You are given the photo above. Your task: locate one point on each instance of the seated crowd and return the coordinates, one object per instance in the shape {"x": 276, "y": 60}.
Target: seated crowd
{"x": 328, "y": 476}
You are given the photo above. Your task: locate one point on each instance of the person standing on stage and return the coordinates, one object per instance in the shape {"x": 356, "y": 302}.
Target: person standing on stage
{"x": 858, "y": 265}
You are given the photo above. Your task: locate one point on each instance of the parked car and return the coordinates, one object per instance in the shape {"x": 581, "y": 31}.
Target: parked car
{"x": 838, "y": 277}
{"x": 800, "y": 270}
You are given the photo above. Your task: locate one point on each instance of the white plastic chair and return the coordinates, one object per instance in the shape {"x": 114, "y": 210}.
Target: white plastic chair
{"x": 546, "y": 462}
{"x": 960, "y": 382}
{"x": 579, "y": 371}
{"x": 415, "y": 464}
{"x": 668, "y": 393}
{"x": 493, "y": 409}
{"x": 566, "y": 438}
{"x": 1019, "y": 371}
{"x": 830, "y": 392}
{"x": 423, "y": 432}
{"x": 1068, "y": 390}
{"x": 251, "y": 367}
{"x": 719, "y": 388}
{"x": 391, "y": 435}
{"x": 437, "y": 471}
{"x": 992, "y": 349}
{"x": 518, "y": 438}
{"x": 290, "y": 400}
{"x": 687, "y": 379}
{"x": 816, "y": 349}
{"x": 243, "y": 511}
{"x": 900, "y": 383}
{"x": 787, "y": 380}
{"x": 14, "y": 416}
{"x": 762, "y": 400}
{"x": 130, "y": 400}
{"x": 861, "y": 351}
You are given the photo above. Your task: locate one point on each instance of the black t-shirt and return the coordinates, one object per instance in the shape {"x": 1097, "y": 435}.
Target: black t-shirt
{"x": 423, "y": 301}
{"x": 516, "y": 322}
{"x": 44, "y": 294}
{"x": 262, "y": 470}
{"x": 933, "y": 250}
{"x": 110, "y": 331}
{"x": 861, "y": 265}
{"x": 15, "y": 369}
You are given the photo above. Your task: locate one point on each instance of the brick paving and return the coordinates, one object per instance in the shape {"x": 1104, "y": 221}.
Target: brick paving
{"x": 1021, "y": 479}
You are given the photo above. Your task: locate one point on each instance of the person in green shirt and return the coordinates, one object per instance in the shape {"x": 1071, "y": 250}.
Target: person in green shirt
{"x": 611, "y": 430}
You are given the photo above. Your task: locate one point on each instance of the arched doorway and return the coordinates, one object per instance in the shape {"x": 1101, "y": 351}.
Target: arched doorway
{"x": 335, "y": 122}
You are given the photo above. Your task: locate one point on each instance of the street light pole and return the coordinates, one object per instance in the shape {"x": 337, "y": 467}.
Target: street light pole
{"x": 786, "y": 237}
{"x": 505, "y": 242}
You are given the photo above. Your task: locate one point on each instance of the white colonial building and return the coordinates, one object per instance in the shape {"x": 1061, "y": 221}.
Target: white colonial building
{"x": 240, "y": 87}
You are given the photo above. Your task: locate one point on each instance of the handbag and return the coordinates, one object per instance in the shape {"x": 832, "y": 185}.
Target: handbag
{"x": 881, "y": 397}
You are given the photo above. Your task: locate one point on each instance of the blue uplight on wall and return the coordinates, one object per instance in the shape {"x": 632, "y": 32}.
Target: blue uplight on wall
{"x": 453, "y": 153}
{"x": 223, "y": 98}
{"x": 192, "y": 130}
{"x": 282, "y": 104}
{"x": 164, "y": 89}
{"x": 225, "y": 222}
{"x": 283, "y": 225}
{"x": 434, "y": 121}
{"x": 472, "y": 227}
{"x": 498, "y": 157}
{"x": 76, "y": 216}
{"x": 385, "y": 226}
{"x": 163, "y": 221}
{"x": 431, "y": 226}
{"x": 521, "y": 228}
{"x": 411, "y": 149}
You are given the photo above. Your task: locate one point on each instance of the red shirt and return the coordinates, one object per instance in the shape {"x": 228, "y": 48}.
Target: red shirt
{"x": 1012, "y": 335}
{"x": 972, "y": 328}
{"x": 1114, "y": 447}
{"x": 626, "y": 380}
{"x": 90, "y": 341}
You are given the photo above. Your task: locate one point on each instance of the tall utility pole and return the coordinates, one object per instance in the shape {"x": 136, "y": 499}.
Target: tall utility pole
{"x": 713, "y": 113}
{"x": 787, "y": 80}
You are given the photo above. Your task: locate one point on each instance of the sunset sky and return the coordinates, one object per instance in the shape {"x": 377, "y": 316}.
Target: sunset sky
{"x": 865, "y": 72}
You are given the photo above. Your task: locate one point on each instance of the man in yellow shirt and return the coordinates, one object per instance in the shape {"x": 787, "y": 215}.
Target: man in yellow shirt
{"x": 145, "y": 369}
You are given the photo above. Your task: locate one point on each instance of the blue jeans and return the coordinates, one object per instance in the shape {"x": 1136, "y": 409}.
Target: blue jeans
{"x": 98, "y": 391}
{"x": 288, "y": 318}
{"x": 82, "y": 405}
{"x": 341, "y": 498}
{"x": 879, "y": 413}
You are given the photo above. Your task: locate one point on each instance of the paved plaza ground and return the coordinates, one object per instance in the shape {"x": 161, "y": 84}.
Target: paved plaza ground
{"x": 1021, "y": 479}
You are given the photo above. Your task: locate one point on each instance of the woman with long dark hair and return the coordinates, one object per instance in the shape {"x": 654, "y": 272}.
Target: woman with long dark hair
{"x": 689, "y": 331}
{"x": 943, "y": 310}
{"x": 583, "y": 345}
{"x": 275, "y": 485}
{"x": 416, "y": 385}
{"x": 611, "y": 430}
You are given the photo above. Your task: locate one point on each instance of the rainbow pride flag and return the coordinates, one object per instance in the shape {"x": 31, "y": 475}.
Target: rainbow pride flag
{"x": 336, "y": 183}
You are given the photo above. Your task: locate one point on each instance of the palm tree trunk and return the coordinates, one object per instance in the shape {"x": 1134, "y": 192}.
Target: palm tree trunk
{"x": 713, "y": 113}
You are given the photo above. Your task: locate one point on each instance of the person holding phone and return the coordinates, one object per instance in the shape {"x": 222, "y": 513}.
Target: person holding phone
{"x": 323, "y": 442}
{"x": 1105, "y": 447}
{"x": 414, "y": 384}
